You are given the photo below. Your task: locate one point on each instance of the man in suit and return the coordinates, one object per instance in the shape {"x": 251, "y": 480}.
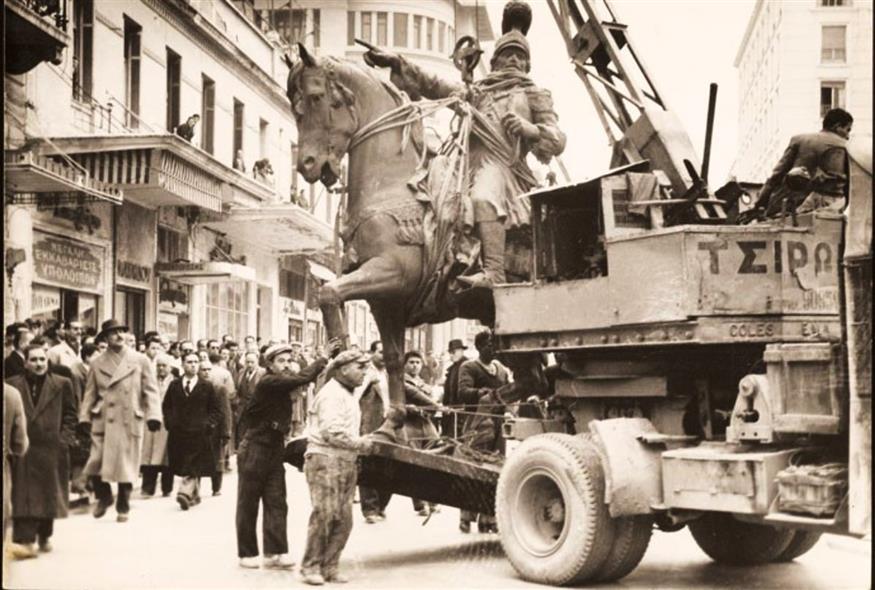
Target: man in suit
{"x": 154, "y": 459}
{"x": 193, "y": 417}
{"x": 80, "y": 451}
{"x": 479, "y": 382}
{"x": 452, "y": 421}
{"x": 66, "y": 352}
{"x": 418, "y": 427}
{"x": 14, "y": 363}
{"x": 121, "y": 393}
{"x": 223, "y": 381}
{"x": 38, "y": 494}
{"x": 812, "y": 163}
{"x": 246, "y": 384}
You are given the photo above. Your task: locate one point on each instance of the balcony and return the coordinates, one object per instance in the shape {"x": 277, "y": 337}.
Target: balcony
{"x": 36, "y": 31}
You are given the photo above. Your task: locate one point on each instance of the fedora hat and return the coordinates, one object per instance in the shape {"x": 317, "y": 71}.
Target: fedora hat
{"x": 111, "y": 325}
{"x": 456, "y": 344}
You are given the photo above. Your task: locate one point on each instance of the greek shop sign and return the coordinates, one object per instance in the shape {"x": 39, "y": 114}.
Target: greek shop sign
{"x": 69, "y": 264}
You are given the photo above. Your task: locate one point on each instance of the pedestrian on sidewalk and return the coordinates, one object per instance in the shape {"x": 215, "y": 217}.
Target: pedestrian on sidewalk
{"x": 154, "y": 460}
{"x": 121, "y": 393}
{"x": 266, "y": 421}
{"x": 38, "y": 494}
{"x": 333, "y": 445}
{"x": 193, "y": 417}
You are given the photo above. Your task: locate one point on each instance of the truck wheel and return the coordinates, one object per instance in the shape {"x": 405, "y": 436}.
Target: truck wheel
{"x": 734, "y": 542}
{"x": 631, "y": 538}
{"x": 552, "y": 518}
{"x": 801, "y": 544}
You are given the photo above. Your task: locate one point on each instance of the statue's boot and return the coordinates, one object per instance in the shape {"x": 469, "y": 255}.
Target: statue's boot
{"x": 391, "y": 430}
{"x": 492, "y": 235}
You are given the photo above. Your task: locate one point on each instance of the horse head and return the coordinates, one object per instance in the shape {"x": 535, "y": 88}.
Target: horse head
{"x": 324, "y": 108}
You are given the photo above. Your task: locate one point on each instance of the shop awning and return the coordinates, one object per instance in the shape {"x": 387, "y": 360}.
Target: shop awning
{"x": 161, "y": 170}
{"x": 200, "y": 273}
{"x": 320, "y": 272}
{"x": 282, "y": 229}
{"x": 27, "y": 172}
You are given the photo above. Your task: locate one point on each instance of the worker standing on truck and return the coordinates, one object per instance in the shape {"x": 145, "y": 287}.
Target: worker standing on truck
{"x": 333, "y": 445}
{"x": 479, "y": 382}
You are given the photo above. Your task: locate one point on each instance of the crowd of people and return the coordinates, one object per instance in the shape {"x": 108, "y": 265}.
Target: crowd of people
{"x": 87, "y": 410}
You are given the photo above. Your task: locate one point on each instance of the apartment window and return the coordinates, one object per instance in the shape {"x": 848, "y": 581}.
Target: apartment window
{"x": 262, "y": 138}
{"x": 429, "y": 34}
{"x": 83, "y": 48}
{"x": 238, "y": 131}
{"x": 366, "y": 26}
{"x": 317, "y": 27}
{"x": 832, "y": 96}
{"x": 297, "y": 26}
{"x": 399, "y": 30}
{"x": 832, "y": 47}
{"x": 442, "y": 37}
{"x": 132, "y": 37}
{"x": 171, "y": 245}
{"x": 227, "y": 309}
{"x": 382, "y": 29}
{"x": 832, "y": 2}
{"x": 208, "y": 114}
{"x": 174, "y": 78}
{"x": 350, "y": 27}
{"x": 417, "y": 32}
{"x": 292, "y": 284}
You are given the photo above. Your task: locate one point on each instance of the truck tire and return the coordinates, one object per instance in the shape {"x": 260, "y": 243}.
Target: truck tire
{"x": 631, "y": 538}
{"x": 553, "y": 522}
{"x": 734, "y": 542}
{"x": 801, "y": 544}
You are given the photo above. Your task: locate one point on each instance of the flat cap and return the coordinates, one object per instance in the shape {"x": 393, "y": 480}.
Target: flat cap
{"x": 349, "y": 356}
{"x": 276, "y": 349}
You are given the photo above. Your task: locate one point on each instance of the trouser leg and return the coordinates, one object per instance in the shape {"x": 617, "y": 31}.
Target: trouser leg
{"x": 150, "y": 479}
{"x": 370, "y": 501}
{"x": 102, "y": 490}
{"x": 467, "y": 516}
{"x": 189, "y": 488}
{"x": 276, "y": 510}
{"x": 45, "y": 527}
{"x": 345, "y": 478}
{"x": 24, "y": 530}
{"x": 123, "y": 505}
{"x": 216, "y": 481}
{"x": 166, "y": 481}
{"x": 318, "y": 528}
{"x": 249, "y": 490}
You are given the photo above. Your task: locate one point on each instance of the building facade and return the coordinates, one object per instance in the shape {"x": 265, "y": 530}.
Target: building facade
{"x": 798, "y": 59}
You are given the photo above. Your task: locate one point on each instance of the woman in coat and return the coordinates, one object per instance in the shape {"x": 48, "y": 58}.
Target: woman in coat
{"x": 193, "y": 416}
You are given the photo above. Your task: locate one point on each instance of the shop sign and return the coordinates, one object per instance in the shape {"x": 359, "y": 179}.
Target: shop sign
{"x": 134, "y": 272}
{"x": 172, "y": 295}
{"x": 45, "y": 301}
{"x": 70, "y": 264}
{"x": 292, "y": 307}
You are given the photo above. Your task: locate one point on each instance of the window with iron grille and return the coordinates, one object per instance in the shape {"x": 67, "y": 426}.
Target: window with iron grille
{"x": 132, "y": 36}
{"x": 832, "y": 47}
{"x": 83, "y": 48}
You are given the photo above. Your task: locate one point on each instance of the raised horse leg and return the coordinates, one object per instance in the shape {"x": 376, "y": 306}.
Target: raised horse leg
{"x": 381, "y": 282}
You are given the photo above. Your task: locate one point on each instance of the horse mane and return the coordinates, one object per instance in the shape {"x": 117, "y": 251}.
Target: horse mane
{"x": 346, "y": 69}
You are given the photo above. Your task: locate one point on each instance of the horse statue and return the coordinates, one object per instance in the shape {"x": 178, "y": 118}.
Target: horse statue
{"x": 333, "y": 101}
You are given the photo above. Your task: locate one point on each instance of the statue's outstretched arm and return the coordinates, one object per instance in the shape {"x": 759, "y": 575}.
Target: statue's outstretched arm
{"x": 551, "y": 141}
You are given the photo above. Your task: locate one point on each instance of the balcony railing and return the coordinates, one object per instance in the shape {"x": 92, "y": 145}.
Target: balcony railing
{"x": 52, "y": 10}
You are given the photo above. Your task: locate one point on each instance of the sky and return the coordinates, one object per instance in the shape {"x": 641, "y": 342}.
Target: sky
{"x": 685, "y": 44}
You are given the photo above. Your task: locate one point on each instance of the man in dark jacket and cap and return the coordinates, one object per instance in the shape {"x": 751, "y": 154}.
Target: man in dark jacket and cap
{"x": 451, "y": 422}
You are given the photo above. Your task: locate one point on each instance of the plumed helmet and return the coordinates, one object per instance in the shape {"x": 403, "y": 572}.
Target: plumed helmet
{"x": 515, "y": 22}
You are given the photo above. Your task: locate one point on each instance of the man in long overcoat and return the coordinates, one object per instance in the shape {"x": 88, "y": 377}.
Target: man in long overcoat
{"x": 452, "y": 422}
{"x": 38, "y": 494}
{"x": 193, "y": 416}
{"x": 121, "y": 393}
{"x": 154, "y": 459}
{"x": 418, "y": 427}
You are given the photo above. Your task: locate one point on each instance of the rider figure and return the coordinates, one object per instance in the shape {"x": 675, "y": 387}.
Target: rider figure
{"x": 524, "y": 117}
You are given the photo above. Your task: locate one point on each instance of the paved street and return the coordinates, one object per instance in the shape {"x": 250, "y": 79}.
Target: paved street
{"x": 161, "y": 547}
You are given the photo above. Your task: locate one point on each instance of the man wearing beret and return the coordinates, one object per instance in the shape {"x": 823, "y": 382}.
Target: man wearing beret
{"x": 266, "y": 420}
{"x": 333, "y": 445}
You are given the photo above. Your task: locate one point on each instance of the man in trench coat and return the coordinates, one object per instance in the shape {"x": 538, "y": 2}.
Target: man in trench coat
{"x": 154, "y": 459}
{"x": 121, "y": 393}
{"x": 38, "y": 494}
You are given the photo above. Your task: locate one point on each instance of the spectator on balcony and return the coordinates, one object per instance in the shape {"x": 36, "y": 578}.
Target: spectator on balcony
{"x": 263, "y": 171}
{"x": 239, "y": 163}
{"x": 186, "y": 130}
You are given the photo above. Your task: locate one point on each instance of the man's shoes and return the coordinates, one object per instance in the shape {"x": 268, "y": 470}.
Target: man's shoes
{"x": 45, "y": 546}
{"x": 465, "y": 526}
{"x": 146, "y": 495}
{"x": 22, "y": 551}
{"x": 336, "y": 578}
{"x": 371, "y": 519}
{"x": 165, "y": 494}
{"x": 381, "y": 516}
{"x": 184, "y": 502}
{"x": 313, "y": 579}
{"x": 100, "y": 509}
{"x": 122, "y": 517}
{"x": 278, "y": 562}
{"x": 249, "y": 562}
{"x": 217, "y": 493}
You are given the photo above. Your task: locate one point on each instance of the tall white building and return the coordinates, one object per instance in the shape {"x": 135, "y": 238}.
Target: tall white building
{"x": 798, "y": 59}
